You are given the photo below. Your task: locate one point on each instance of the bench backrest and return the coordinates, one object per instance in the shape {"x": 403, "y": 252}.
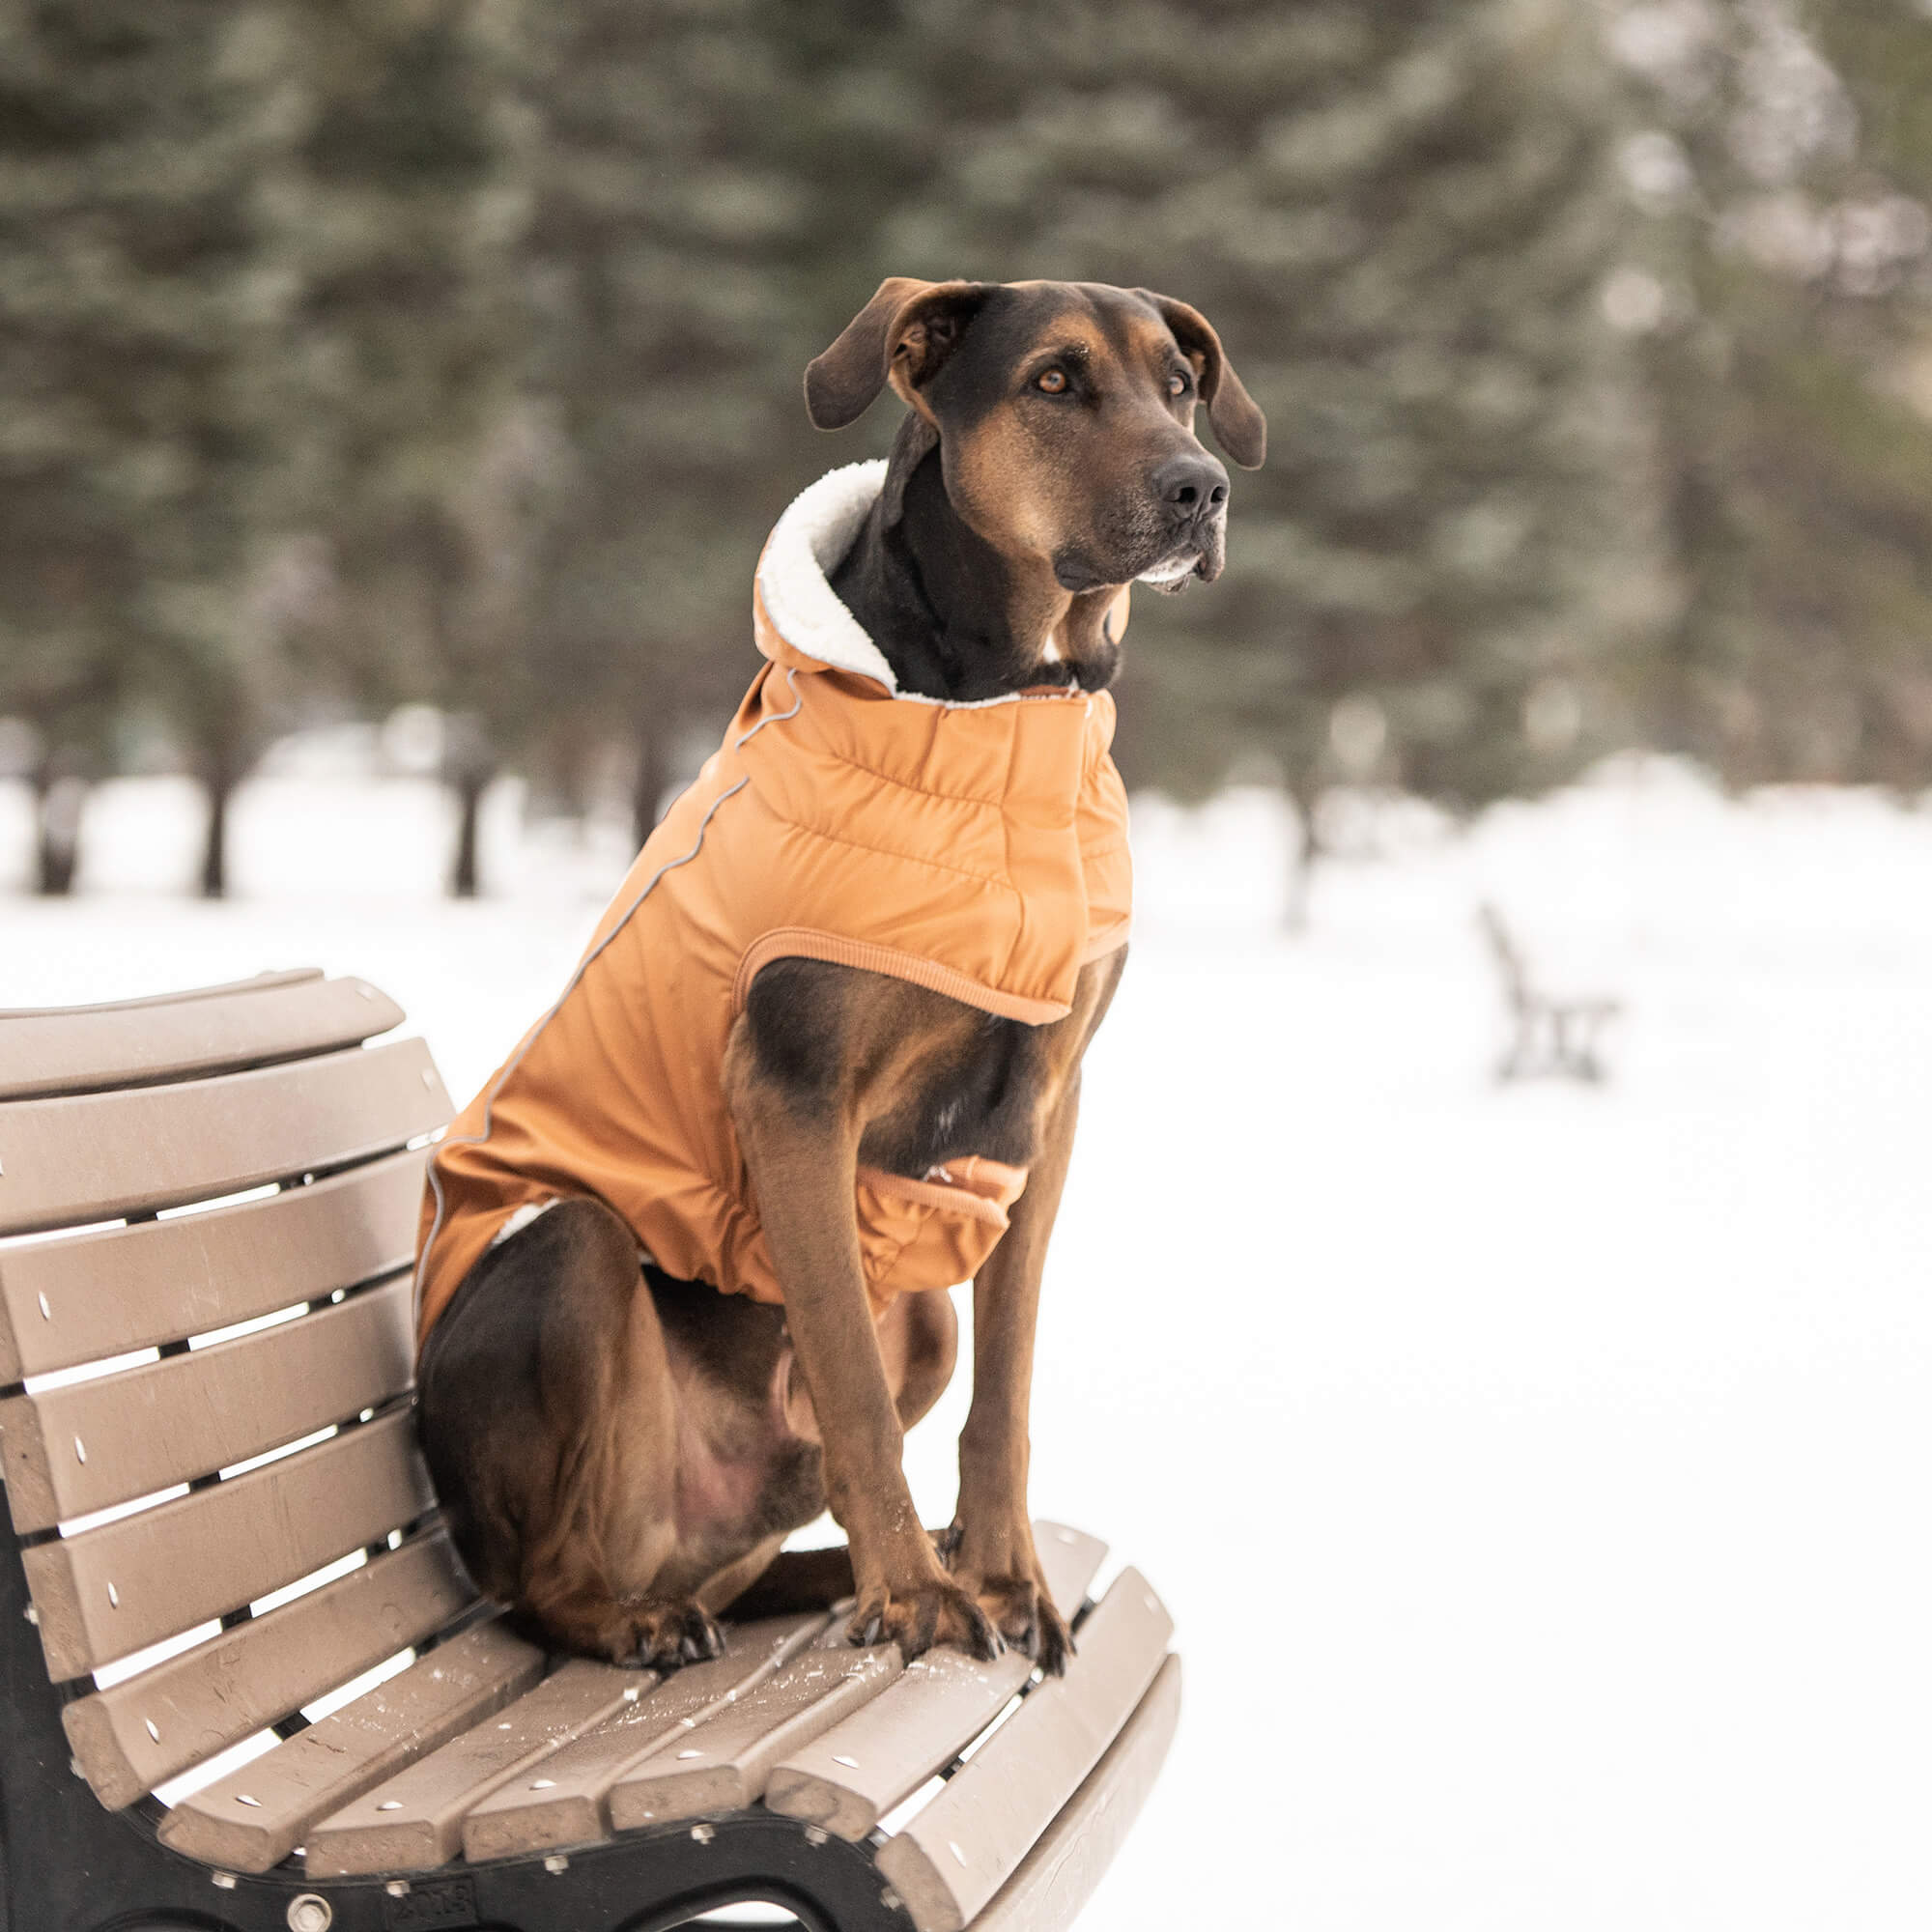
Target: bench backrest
{"x": 1508, "y": 956}
{"x": 207, "y": 1210}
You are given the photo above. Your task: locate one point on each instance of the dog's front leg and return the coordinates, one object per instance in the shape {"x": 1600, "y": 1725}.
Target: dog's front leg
{"x": 991, "y": 1548}
{"x": 802, "y": 1152}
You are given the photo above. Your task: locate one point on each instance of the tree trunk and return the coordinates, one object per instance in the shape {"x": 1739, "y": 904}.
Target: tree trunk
{"x": 469, "y": 764}
{"x": 57, "y": 807}
{"x": 1301, "y": 858}
{"x": 469, "y": 790}
{"x": 653, "y": 779}
{"x": 220, "y": 787}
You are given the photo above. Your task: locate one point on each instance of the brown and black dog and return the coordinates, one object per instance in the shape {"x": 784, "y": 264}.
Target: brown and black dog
{"x": 621, "y": 1454}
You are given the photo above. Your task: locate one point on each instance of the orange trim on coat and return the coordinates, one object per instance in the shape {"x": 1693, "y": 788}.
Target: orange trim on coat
{"x": 951, "y": 1198}
{"x": 803, "y": 942}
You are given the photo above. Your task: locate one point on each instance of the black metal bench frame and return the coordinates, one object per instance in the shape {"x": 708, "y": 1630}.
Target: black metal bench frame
{"x": 68, "y": 1864}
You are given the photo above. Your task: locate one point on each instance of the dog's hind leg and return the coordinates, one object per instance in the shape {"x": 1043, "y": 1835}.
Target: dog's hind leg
{"x": 549, "y": 1415}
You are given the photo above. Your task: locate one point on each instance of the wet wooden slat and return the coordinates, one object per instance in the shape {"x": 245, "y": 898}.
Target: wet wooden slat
{"x": 92, "y": 1157}
{"x": 89, "y": 1445}
{"x": 254, "y": 1817}
{"x": 85, "y": 1298}
{"x": 413, "y": 1822}
{"x": 850, "y": 1777}
{"x": 952, "y": 1856}
{"x": 117, "y": 1589}
{"x": 1056, "y": 1878}
{"x": 724, "y": 1764}
{"x": 214, "y": 1030}
{"x": 565, "y": 1804}
{"x": 142, "y": 1732}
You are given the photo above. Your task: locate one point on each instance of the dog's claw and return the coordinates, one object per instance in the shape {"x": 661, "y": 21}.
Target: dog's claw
{"x": 930, "y": 1615}
{"x": 1052, "y": 1647}
{"x": 653, "y": 1635}
{"x": 1023, "y": 1615}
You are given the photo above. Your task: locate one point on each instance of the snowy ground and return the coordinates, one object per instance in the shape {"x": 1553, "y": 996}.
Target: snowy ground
{"x": 1539, "y": 1476}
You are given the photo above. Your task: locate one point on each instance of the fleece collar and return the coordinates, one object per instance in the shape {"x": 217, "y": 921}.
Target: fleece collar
{"x": 809, "y": 540}
{"x": 799, "y": 616}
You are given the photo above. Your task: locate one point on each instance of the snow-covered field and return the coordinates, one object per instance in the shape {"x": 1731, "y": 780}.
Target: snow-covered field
{"x": 1540, "y": 1477}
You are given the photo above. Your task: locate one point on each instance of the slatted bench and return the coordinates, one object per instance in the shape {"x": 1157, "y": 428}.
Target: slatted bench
{"x": 247, "y": 1685}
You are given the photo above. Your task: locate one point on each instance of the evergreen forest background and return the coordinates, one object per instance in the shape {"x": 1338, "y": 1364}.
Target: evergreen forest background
{"x": 439, "y": 361}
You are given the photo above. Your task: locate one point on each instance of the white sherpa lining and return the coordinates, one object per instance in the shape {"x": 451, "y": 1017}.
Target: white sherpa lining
{"x": 811, "y": 539}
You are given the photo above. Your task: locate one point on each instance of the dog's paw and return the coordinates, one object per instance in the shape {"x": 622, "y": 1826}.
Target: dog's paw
{"x": 938, "y": 1612}
{"x": 1025, "y": 1616}
{"x": 662, "y": 1636}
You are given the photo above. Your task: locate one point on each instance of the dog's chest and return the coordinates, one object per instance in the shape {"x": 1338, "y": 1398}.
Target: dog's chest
{"x": 985, "y": 1093}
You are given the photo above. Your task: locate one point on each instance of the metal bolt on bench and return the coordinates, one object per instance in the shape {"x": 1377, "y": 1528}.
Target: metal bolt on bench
{"x": 207, "y": 1210}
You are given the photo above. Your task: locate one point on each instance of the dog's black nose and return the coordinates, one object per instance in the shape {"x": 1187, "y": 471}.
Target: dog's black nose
{"x": 1193, "y": 485}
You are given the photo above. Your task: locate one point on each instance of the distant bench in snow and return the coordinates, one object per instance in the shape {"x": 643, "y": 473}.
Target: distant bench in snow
{"x": 1553, "y": 1036}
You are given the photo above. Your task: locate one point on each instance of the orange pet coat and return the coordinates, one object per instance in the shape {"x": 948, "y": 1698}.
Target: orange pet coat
{"x": 978, "y": 849}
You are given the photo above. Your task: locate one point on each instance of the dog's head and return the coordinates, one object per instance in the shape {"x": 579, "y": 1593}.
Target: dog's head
{"x": 1063, "y": 413}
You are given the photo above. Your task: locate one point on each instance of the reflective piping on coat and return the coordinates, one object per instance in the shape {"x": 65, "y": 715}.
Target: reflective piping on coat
{"x": 590, "y": 959}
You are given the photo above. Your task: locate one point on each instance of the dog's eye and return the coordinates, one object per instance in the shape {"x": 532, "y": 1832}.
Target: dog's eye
{"x": 1050, "y": 381}
{"x": 1176, "y": 384}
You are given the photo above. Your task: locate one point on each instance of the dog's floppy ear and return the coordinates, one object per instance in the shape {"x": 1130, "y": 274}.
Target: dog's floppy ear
{"x": 905, "y": 333}
{"x": 1240, "y": 426}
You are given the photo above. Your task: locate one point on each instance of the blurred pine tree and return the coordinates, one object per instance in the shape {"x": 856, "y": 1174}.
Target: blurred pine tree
{"x": 426, "y": 468}
{"x": 709, "y": 177}
{"x": 1780, "y": 295}
{"x": 141, "y": 318}
{"x": 652, "y": 315}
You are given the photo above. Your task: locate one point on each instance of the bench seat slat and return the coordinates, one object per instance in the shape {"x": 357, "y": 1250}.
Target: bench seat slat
{"x": 876, "y": 1759}
{"x": 1056, "y": 1878}
{"x": 413, "y": 1822}
{"x": 569, "y": 1806}
{"x": 85, "y": 1298}
{"x": 89, "y": 1445}
{"x": 219, "y": 1029}
{"x": 148, "y": 1001}
{"x": 231, "y": 1686}
{"x": 93, "y": 1157}
{"x": 724, "y": 1764}
{"x": 255, "y": 1817}
{"x": 956, "y": 1854}
{"x": 848, "y": 1779}
{"x": 114, "y": 1590}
